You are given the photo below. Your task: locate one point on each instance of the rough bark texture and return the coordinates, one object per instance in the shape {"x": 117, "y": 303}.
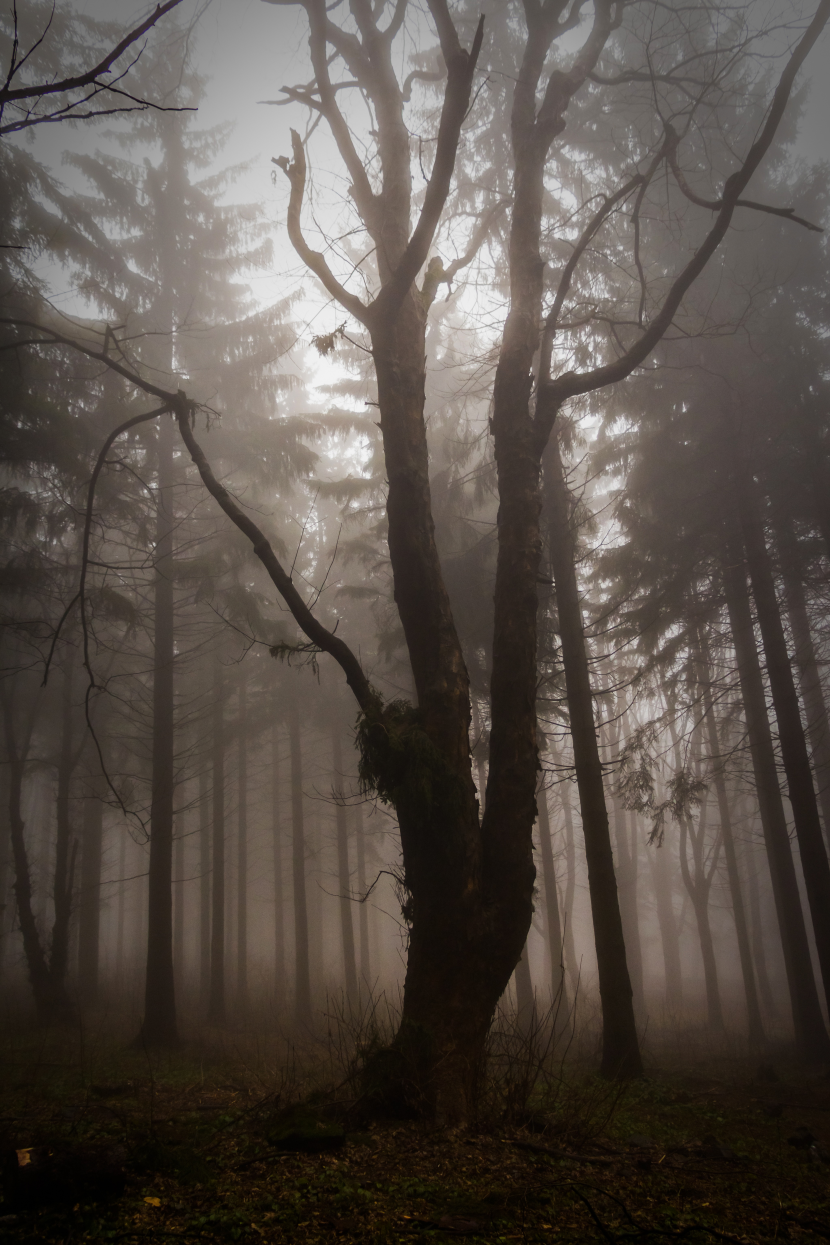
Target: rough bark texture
{"x": 810, "y": 1033}
{"x": 553, "y": 923}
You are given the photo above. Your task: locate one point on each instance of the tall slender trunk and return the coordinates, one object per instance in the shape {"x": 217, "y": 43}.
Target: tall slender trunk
{"x": 558, "y": 985}
{"x": 343, "y": 871}
{"x": 302, "y": 968}
{"x": 205, "y": 876}
{"x": 216, "y": 1000}
{"x": 279, "y": 891}
{"x": 242, "y": 850}
{"x": 698, "y": 885}
{"x": 365, "y": 963}
{"x": 122, "y": 906}
{"x": 810, "y": 1033}
{"x": 6, "y": 897}
{"x": 89, "y": 899}
{"x": 627, "y": 878}
{"x": 791, "y": 563}
{"x": 755, "y": 1028}
{"x": 815, "y": 866}
{"x": 66, "y": 844}
{"x": 160, "y": 1026}
{"x": 571, "y": 962}
{"x": 620, "y": 1046}
{"x": 179, "y": 901}
{"x": 759, "y": 954}
{"x": 662, "y": 876}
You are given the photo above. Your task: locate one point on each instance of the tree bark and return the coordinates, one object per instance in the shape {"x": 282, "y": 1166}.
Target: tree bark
{"x": 160, "y": 1025}
{"x": 815, "y": 866}
{"x": 627, "y": 879}
{"x": 179, "y": 902}
{"x": 216, "y": 999}
{"x": 365, "y": 962}
{"x": 810, "y": 1034}
{"x": 205, "y": 878}
{"x": 620, "y": 1046}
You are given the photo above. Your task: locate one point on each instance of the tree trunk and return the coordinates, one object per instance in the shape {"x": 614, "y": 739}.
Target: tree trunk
{"x": 216, "y": 1000}
{"x": 627, "y": 880}
{"x": 812, "y": 693}
{"x": 343, "y": 872}
{"x": 365, "y": 962}
{"x": 698, "y": 886}
{"x": 755, "y": 1028}
{"x": 558, "y": 986}
{"x": 759, "y": 954}
{"x": 620, "y": 1046}
{"x": 669, "y": 937}
{"x": 279, "y": 892}
{"x": 179, "y": 902}
{"x": 122, "y": 905}
{"x": 525, "y": 994}
{"x": 302, "y": 968}
{"x": 160, "y": 1026}
{"x": 89, "y": 899}
{"x": 810, "y": 1034}
{"x": 205, "y": 875}
{"x": 815, "y": 866}
{"x": 65, "y": 843}
{"x": 242, "y": 852}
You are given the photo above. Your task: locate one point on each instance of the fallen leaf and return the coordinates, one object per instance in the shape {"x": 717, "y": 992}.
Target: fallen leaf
{"x": 153, "y": 1201}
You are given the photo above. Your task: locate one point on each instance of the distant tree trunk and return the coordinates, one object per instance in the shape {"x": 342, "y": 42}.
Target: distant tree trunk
{"x": 179, "y": 901}
{"x": 343, "y": 870}
{"x": 810, "y": 1033}
{"x": 205, "y": 874}
{"x": 662, "y": 876}
{"x": 6, "y": 897}
{"x": 818, "y": 728}
{"x": 279, "y": 893}
{"x": 302, "y": 969}
{"x": 122, "y": 905}
{"x": 160, "y": 1027}
{"x": 216, "y": 1001}
{"x": 698, "y": 886}
{"x": 759, "y": 954}
{"x": 89, "y": 899}
{"x": 365, "y": 964}
{"x": 558, "y": 986}
{"x": 242, "y": 851}
{"x": 52, "y": 1002}
{"x": 66, "y": 844}
{"x": 571, "y": 962}
{"x": 755, "y": 1028}
{"x": 620, "y": 1046}
{"x": 626, "y": 878}
{"x": 816, "y": 868}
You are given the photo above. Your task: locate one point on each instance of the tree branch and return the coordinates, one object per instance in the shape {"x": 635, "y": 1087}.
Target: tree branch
{"x": 295, "y": 171}
{"x": 325, "y": 640}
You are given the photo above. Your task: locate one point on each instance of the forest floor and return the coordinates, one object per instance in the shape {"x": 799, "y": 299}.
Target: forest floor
{"x": 200, "y": 1147}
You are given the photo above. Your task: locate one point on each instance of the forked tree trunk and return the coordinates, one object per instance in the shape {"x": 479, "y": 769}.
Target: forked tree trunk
{"x": 344, "y": 877}
{"x": 302, "y": 967}
{"x": 159, "y": 1027}
{"x": 620, "y": 1046}
{"x": 810, "y": 1033}
{"x": 216, "y": 999}
{"x": 815, "y": 865}
{"x": 242, "y": 850}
